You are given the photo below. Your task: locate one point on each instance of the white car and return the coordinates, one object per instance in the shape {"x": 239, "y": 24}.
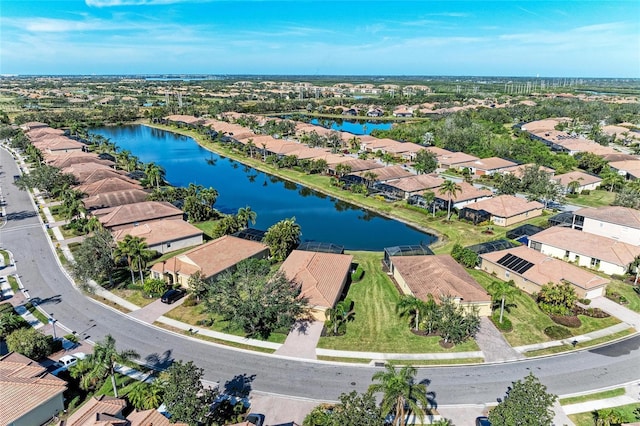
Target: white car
{"x": 67, "y": 361}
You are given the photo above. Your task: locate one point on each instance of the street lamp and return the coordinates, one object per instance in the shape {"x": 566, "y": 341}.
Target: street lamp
{"x": 53, "y": 321}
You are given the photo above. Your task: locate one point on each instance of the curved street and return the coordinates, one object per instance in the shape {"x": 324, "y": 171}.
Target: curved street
{"x": 26, "y": 238}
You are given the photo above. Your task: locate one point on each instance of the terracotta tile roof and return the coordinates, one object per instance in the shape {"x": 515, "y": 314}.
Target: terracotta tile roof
{"x": 632, "y": 167}
{"x": 518, "y": 170}
{"x": 505, "y": 206}
{"x": 376, "y": 144}
{"x": 546, "y": 269}
{"x": 358, "y": 165}
{"x": 387, "y": 173}
{"x": 591, "y": 245}
{"x": 542, "y": 125}
{"x": 62, "y": 160}
{"x": 455, "y": 158}
{"x": 188, "y": 119}
{"x": 416, "y": 183}
{"x": 116, "y": 183}
{"x": 491, "y": 163}
{"x": 100, "y": 410}
{"x": 614, "y": 158}
{"x": 213, "y": 257}
{"x": 439, "y": 275}
{"x": 468, "y": 192}
{"x": 305, "y": 153}
{"x": 624, "y": 216}
{"x": 321, "y": 275}
{"x": 59, "y": 144}
{"x": 138, "y": 212}
{"x": 24, "y": 385}
{"x": 83, "y": 171}
{"x": 159, "y": 231}
{"x": 114, "y": 198}
{"x": 42, "y": 131}
{"x": 581, "y": 177}
{"x": 150, "y": 418}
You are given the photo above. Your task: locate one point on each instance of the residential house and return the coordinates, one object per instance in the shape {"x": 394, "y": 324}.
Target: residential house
{"x": 412, "y": 185}
{"x": 210, "y": 259}
{"x": 518, "y": 170}
{"x": 108, "y": 185}
{"x": 530, "y": 270}
{"x": 68, "y": 159}
{"x": 164, "y": 236}
{"x": 454, "y": 159}
{"x": 468, "y": 194}
{"x": 184, "y": 120}
{"x": 89, "y": 172}
{"x": 322, "y": 277}
{"x": 619, "y": 223}
{"x": 128, "y": 215}
{"x": 33, "y": 125}
{"x": 105, "y": 200}
{"x": 99, "y": 411}
{"x": 28, "y": 394}
{"x": 402, "y": 111}
{"x": 150, "y": 418}
{"x": 439, "y": 276}
{"x": 630, "y": 169}
{"x": 589, "y": 250}
{"x": 375, "y": 112}
{"x": 355, "y": 165}
{"x": 585, "y": 181}
{"x": 382, "y": 175}
{"x": 405, "y": 150}
{"x": 503, "y": 210}
{"x": 486, "y": 166}
{"x": 58, "y": 144}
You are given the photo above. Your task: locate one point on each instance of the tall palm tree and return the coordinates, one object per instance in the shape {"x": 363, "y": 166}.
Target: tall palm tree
{"x": 155, "y": 174}
{"x": 139, "y": 252}
{"x": 410, "y": 306}
{"x": 450, "y": 188}
{"x": 340, "y": 314}
{"x": 501, "y": 290}
{"x": 400, "y": 392}
{"x": 123, "y": 251}
{"x": 245, "y": 216}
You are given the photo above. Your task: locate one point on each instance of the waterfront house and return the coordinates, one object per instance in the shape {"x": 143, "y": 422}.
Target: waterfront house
{"x": 503, "y": 210}
{"x": 439, "y": 276}
{"x": 530, "y": 270}
{"x": 163, "y": 236}
{"x": 589, "y": 250}
{"x": 127, "y": 215}
{"x": 619, "y": 223}
{"x": 355, "y": 165}
{"x": 69, "y": 159}
{"x": 210, "y": 259}
{"x": 486, "y": 166}
{"x": 406, "y": 187}
{"x": 468, "y": 194}
{"x": 112, "y": 184}
{"x": 382, "y": 175}
{"x": 322, "y": 277}
{"x": 85, "y": 172}
{"x": 103, "y": 200}
{"x": 29, "y": 395}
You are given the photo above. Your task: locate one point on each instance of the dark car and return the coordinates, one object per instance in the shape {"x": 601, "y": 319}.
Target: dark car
{"x": 483, "y": 421}
{"x": 172, "y": 295}
{"x": 255, "y": 419}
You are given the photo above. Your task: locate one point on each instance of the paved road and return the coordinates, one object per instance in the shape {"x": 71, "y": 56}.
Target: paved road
{"x": 40, "y": 274}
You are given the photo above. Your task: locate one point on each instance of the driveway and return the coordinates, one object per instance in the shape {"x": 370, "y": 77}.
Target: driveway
{"x": 155, "y": 310}
{"x": 302, "y": 340}
{"x": 494, "y": 347}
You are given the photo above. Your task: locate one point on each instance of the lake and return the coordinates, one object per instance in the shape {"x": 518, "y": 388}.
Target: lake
{"x": 358, "y": 127}
{"x": 321, "y": 217}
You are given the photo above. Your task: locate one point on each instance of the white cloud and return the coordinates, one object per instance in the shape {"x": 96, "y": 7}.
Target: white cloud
{"x": 112, "y": 3}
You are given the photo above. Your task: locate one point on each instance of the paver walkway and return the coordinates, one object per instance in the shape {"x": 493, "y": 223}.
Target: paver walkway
{"x": 302, "y": 340}
{"x": 493, "y": 345}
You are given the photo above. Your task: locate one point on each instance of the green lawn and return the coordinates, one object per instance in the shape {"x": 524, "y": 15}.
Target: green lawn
{"x": 612, "y": 393}
{"x": 136, "y": 297}
{"x": 5, "y": 257}
{"x": 529, "y": 321}
{"x": 13, "y": 282}
{"x": 206, "y": 227}
{"x": 596, "y": 198}
{"x": 627, "y": 291}
{"x": 377, "y": 327}
{"x": 586, "y": 419}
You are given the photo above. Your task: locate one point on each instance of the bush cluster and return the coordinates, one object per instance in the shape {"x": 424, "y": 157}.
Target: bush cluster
{"x": 557, "y": 332}
{"x": 506, "y": 325}
{"x": 357, "y": 274}
{"x": 570, "y": 321}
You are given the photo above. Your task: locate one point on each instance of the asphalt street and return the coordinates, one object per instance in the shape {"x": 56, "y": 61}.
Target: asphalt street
{"x": 26, "y": 238}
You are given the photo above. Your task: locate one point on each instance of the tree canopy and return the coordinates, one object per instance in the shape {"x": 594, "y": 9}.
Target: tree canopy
{"x": 527, "y": 403}
{"x": 184, "y": 394}
{"x": 282, "y": 238}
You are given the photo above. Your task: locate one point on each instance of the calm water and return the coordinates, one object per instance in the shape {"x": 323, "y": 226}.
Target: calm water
{"x": 360, "y": 127}
{"x": 322, "y": 218}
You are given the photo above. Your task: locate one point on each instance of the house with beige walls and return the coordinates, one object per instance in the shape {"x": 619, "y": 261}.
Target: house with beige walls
{"x": 503, "y": 210}
{"x": 619, "y": 223}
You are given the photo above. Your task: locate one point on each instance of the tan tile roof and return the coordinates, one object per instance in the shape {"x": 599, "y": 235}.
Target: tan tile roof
{"x": 402, "y": 147}
{"x": 138, "y": 212}
{"x": 590, "y": 245}
{"x": 416, "y": 183}
{"x": 42, "y": 131}
{"x": 59, "y": 144}
{"x": 505, "y": 206}
{"x": 107, "y": 185}
{"x": 24, "y": 385}
{"x": 518, "y": 170}
{"x": 321, "y": 275}
{"x": 467, "y": 192}
{"x": 114, "y": 198}
{"x": 630, "y": 166}
{"x": 624, "y": 216}
{"x": 62, "y": 160}
{"x": 213, "y": 257}
{"x": 491, "y": 163}
{"x": 188, "y": 119}
{"x": 150, "y": 418}
{"x": 438, "y": 152}
{"x": 98, "y": 410}
{"x": 546, "y": 269}
{"x": 582, "y": 178}
{"x": 542, "y": 125}
{"x": 613, "y": 158}
{"x": 455, "y": 158}
{"x": 358, "y": 165}
{"x": 83, "y": 171}
{"x": 159, "y": 231}
{"x": 388, "y": 173}
{"x": 440, "y": 276}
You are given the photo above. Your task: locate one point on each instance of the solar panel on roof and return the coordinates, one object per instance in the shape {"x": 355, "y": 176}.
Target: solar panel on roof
{"x": 515, "y": 263}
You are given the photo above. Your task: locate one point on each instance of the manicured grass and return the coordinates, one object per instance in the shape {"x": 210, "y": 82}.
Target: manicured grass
{"x": 136, "y": 297}
{"x": 417, "y": 363}
{"x": 169, "y": 255}
{"x": 206, "y": 227}
{"x": 586, "y": 419}
{"x": 611, "y": 393}
{"x": 6, "y": 258}
{"x": 529, "y": 321}
{"x": 581, "y": 345}
{"x": 13, "y": 282}
{"x": 596, "y": 198}
{"x": 627, "y": 291}
{"x": 193, "y": 314}
{"x": 109, "y": 303}
{"x": 36, "y": 313}
{"x": 377, "y": 327}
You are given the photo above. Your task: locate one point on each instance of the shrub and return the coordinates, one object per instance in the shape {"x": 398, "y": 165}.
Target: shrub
{"x": 567, "y": 321}
{"x": 190, "y": 301}
{"x": 72, "y": 338}
{"x": 557, "y": 332}
{"x": 505, "y": 326}
{"x": 30, "y": 343}
{"x": 571, "y": 196}
{"x": 54, "y": 345}
{"x": 591, "y": 312}
{"x": 585, "y": 301}
{"x": 585, "y": 192}
{"x": 6, "y": 307}
{"x": 357, "y": 274}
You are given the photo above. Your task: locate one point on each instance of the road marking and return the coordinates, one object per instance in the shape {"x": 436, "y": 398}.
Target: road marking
{"x": 21, "y": 227}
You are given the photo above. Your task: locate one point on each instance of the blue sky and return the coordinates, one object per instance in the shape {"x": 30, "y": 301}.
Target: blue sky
{"x": 597, "y": 38}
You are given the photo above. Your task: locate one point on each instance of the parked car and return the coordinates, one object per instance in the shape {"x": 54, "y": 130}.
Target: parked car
{"x": 483, "y": 421}
{"x": 255, "y": 419}
{"x": 67, "y": 361}
{"x": 172, "y": 295}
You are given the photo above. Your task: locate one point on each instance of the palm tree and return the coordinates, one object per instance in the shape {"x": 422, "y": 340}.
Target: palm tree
{"x": 245, "y": 216}
{"x": 155, "y": 174}
{"x": 501, "y": 290}
{"x": 139, "y": 252}
{"x": 611, "y": 179}
{"x": 431, "y": 315}
{"x": 146, "y": 396}
{"x": 400, "y": 392}
{"x": 104, "y": 360}
{"x": 282, "y": 237}
{"x": 369, "y": 177}
{"x": 450, "y": 188}
{"x": 124, "y": 251}
{"x": 573, "y": 186}
{"x": 410, "y": 305}
{"x": 340, "y": 314}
